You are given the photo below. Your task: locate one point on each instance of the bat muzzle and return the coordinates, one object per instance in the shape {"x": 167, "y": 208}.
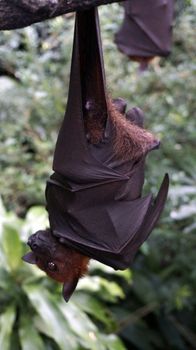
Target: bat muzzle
{"x": 32, "y": 242}
{"x": 42, "y": 242}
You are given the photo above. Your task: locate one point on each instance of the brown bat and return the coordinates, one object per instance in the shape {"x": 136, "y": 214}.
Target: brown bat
{"x": 94, "y": 197}
{"x": 146, "y": 30}
{"x": 60, "y": 262}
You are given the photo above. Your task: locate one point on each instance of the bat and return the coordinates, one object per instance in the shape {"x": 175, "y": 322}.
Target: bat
{"x": 146, "y": 30}
{"x": 94, "y": 197}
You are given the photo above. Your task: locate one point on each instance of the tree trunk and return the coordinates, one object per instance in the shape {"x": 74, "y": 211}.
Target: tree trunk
{"x": 21, "y": 13}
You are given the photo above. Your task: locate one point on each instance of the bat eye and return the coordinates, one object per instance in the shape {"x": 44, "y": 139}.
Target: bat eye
{"x": 52, "y": 266}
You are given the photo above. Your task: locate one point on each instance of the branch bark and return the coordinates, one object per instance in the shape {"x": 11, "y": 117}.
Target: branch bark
{"x": 21, "y": 13}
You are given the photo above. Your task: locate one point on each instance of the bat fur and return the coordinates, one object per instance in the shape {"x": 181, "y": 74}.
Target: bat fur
{"x": 130, "y": 141}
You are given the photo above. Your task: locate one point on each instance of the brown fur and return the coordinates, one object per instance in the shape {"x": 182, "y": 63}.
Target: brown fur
{"x": 69, "y": 262}
{"x": 130, "y": 141}
{"x": 141, "y": 59}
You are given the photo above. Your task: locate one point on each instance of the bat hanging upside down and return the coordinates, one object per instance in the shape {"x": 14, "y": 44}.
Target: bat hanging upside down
{"x": 94, "y": 197}
{"x": 131, "y": 142}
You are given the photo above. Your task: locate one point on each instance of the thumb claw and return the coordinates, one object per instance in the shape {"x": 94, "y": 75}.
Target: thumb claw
{"x": 136, "y": 116}
{"x": 120, "y": 104}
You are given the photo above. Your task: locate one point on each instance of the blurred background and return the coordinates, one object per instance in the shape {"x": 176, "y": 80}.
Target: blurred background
{"x": 152, "y": 305}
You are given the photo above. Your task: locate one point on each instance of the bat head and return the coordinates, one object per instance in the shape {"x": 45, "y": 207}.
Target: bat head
{"x": 61, "y": 263}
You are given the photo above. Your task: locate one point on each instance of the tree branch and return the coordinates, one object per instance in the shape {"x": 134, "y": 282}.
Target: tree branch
{"x": 21, "y": 13}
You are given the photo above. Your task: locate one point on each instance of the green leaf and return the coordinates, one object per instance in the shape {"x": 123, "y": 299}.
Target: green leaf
{"x": 78, "y": 320}
{"x": 81, "y": 325}
{"x": 6, "y": 324}
{"x": 12, "y": 247}
{"x": 2, "y": 209}
{"x": 108, "y": 290}
{"x": 29, "y": 336}
{"x": 14, "y": 341}
{"x": 89, "y": 304}
{"x": 112, "y": 342}
{"x": 50, "y": 319}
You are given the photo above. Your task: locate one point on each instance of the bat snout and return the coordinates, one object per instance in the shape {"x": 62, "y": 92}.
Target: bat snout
{"x": 156, "y": 144}
{"x": 32, "y": 242}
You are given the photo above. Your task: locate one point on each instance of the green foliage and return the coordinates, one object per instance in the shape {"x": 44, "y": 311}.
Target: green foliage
{"x": 153, "y": 305}
{"x": 30, "y": 109}
{"x": 32, "y": 310}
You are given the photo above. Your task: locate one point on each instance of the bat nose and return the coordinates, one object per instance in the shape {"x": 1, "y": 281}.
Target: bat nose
{"x": 31, "y": 242}
{"x": 156, "y": 144}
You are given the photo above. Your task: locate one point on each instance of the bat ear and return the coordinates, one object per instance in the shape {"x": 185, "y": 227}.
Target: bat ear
{"x": 68, "y": 288}
{"x": 29, "y": 258}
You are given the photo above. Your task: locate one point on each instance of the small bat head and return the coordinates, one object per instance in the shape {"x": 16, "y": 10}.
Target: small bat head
{"x": 61, "y": 263}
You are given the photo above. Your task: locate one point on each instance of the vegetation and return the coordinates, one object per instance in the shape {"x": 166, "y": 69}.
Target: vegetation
{"x": 152, "y": 305}
{"x": 33, "y": 315}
